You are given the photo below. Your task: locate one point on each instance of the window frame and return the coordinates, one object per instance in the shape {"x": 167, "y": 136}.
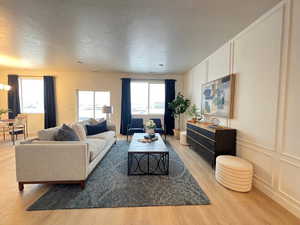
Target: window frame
{"x": 20, "y": 83}
{"x": 149, "y": 82}
{"x": 94, "y": 105}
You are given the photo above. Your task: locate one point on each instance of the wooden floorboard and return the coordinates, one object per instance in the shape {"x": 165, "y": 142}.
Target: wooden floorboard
{"x": 227, "y": 207}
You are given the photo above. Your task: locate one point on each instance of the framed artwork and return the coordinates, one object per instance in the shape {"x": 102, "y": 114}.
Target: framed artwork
{"x": 217, "y": 97}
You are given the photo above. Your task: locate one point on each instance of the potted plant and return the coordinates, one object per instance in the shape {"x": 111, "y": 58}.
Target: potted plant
{"x": 194, "y": 112}
{"x": 150, "y": 125}
{"x": 2, "y": 112}
{"x": 179, "y": 105}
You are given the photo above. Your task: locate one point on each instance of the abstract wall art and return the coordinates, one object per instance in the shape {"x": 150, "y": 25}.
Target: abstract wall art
{"x": 217, "y": 97}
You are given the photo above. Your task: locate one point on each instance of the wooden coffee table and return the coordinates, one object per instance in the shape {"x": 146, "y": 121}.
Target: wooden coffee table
{"x": 147, "y": 158}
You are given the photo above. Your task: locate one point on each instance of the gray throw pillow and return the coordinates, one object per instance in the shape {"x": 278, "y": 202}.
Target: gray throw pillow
{"x": 66, "y": 133}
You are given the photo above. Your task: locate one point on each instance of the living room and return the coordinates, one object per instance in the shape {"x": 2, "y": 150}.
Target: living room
{"x": 76, "y": 64}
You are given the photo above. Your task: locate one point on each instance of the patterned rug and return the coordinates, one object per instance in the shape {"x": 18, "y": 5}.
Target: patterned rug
{"x": 108, "y": 186}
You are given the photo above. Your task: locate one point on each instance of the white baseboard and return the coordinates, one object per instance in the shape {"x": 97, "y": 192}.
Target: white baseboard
{"x": 277, "y": 197}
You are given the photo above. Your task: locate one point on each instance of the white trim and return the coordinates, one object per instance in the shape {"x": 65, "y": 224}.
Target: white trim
{"x": 258, "y": 146}
{"x": 277, "y": 197}
{"x": 278, "y": 151}
{"x": 279, "y": 6}
{"x": 280, "y": 189}
{"x": 247, "y": 148}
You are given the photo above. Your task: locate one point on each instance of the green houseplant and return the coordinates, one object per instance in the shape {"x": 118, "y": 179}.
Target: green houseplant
{"x": 194, "y": 112}
{"x": 179, "y": 106}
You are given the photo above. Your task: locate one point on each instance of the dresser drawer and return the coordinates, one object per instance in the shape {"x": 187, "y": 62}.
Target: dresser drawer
{"x": 207, "y": 155}
{"x": 207, "y": 133}
{"x": 209, "y": 143}
{"x": 203, "y": 140}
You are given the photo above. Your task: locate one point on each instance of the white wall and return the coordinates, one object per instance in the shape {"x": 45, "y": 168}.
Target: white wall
{"x": 68, "y": 82}
{"x": 266, "y": 99}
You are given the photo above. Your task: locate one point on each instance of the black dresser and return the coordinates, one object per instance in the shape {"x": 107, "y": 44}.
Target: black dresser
{"x": 210, "y": 143}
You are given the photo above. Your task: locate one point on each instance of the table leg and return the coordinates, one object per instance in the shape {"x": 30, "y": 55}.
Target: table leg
{"x": 3, "y": 130}
{"x": 128, "y": 164}
{"x": 148, "y": 163}
{"x": 13, "y": 135}
{"x": 167, "y": 163}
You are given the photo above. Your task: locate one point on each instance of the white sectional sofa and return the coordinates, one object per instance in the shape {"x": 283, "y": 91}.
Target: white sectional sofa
{"x": 43, "y": 160}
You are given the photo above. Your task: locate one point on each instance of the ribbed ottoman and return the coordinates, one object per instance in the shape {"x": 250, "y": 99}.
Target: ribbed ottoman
{"x": 234, "y": 173}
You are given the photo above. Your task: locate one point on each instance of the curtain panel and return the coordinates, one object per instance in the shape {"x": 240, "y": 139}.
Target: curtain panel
{"x": 125, "y": 105}
{"x": 13, "y": 97}
{"x": 169, "y": 97}
{"x": 49, "y": 102}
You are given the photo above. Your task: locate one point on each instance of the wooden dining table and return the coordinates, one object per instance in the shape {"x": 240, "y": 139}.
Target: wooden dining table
{"x": 7, "y": 125}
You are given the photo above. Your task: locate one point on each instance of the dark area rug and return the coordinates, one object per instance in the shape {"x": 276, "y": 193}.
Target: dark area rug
{"x": 109, "y": 186}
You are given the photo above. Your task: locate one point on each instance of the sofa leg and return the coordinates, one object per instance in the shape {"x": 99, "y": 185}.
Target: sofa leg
{"x": 82, "y": 184}
{"x": 21, "y": 186}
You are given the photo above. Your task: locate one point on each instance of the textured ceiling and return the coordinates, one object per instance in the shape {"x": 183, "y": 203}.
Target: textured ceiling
{"x": 134, "y": 36}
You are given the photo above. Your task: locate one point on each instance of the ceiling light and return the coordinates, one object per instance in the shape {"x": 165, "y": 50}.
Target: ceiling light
{"x": 13, "y": 62}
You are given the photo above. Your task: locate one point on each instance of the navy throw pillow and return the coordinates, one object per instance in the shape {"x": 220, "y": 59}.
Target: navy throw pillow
{"x": 66, "y": 133}
{"x": 96, "y": 129}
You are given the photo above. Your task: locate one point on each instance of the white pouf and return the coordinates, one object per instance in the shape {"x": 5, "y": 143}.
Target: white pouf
{"x": 183, "y": 138}
{"x": 234, "y": 173}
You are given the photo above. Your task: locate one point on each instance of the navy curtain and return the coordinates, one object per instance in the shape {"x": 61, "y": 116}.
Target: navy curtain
{"x": 13, "y": 97}
{"x": 169, "y": 97}
{"x": 49, "y": 102}
{"x": 125, "y": 105}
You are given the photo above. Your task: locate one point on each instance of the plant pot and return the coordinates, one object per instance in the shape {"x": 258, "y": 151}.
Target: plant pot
{"x": 149, "y": 131}
{"x": 176, "y": 133}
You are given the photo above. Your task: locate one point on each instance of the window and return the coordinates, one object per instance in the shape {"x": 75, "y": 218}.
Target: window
{"x": 90, "y": 104}
{"x": 31, "y": 94}
{"x": 147, "y": 97}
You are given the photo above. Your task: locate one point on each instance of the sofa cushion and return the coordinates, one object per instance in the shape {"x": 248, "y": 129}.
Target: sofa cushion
{"x": 47, "y": 134}
{"x": 92, "y": 121}
{"x": 66, "y": 133}
{"x": 101, "y": 120}
{"x": 96, "y": 129}
{"x": 84, "y": 123}
{"x": 40, "y": 142}
{"x": 105, "y": 135}
{"x": 79, "y": 130}
{"x": 95, "y": 147}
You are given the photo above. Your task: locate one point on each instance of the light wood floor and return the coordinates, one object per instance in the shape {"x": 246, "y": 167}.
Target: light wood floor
{"x": 227, "y": 207}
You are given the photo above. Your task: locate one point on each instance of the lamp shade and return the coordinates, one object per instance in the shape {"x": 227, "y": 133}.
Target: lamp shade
{"x": 107, "y": 109}
{"x": 5, "y": 87}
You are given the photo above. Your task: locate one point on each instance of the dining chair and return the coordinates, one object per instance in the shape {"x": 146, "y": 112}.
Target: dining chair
{"x": 4, "y": 129}
{"x": 23, "y": 119}
{"x": 18, "y": 127}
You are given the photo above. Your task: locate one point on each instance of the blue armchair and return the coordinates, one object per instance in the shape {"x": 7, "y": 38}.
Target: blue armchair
{"x": 159, "y": 128}
{"x": 136, "y": 126}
